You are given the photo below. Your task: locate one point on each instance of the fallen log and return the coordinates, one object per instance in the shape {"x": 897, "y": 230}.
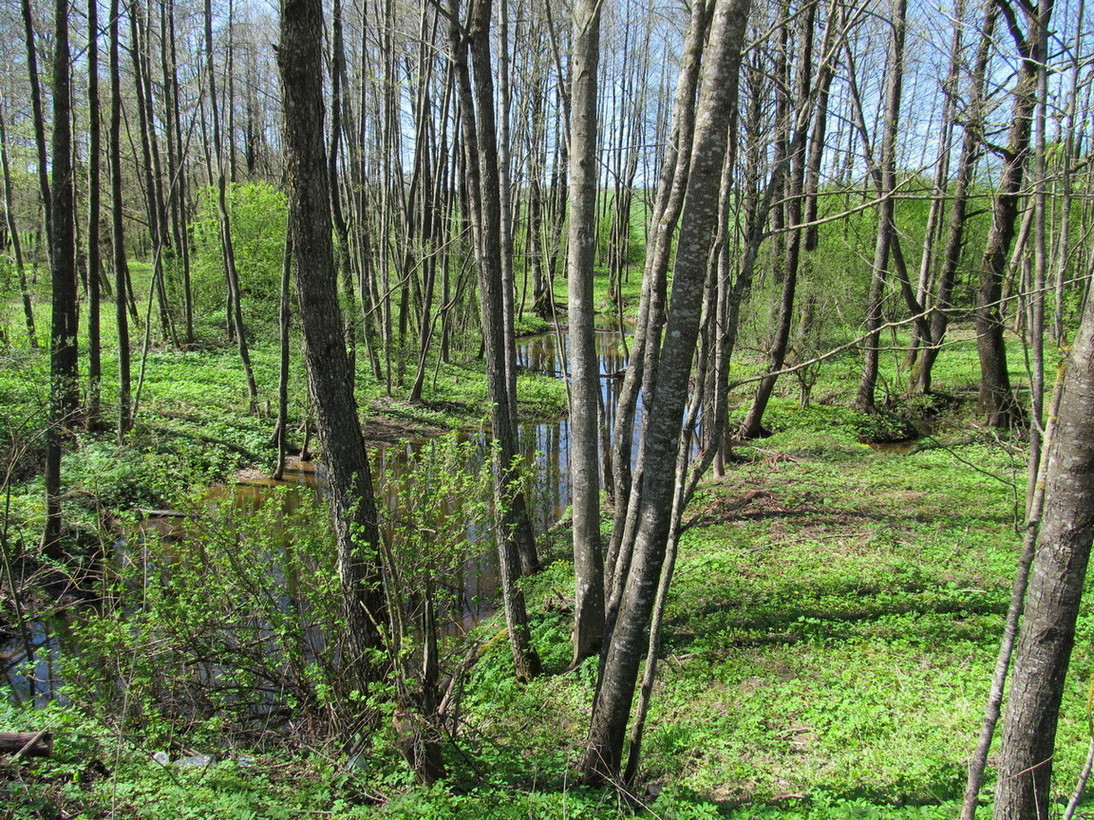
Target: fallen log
{"x": 26, "y": 744}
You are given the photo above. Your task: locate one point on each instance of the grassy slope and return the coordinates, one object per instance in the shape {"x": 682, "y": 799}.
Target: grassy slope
{"x": 830, "y": 637}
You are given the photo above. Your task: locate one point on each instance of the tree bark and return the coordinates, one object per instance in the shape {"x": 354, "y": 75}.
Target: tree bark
{"x": 121, "y": 271}
{"x": 230, "y": 272}
{"x": 94, "y": 203}
{"x": 584, "y": 367}
{"x": 477, "y": 119}
{"x": 1047, "y": 631}
{"x": 886, "y": 217}
{"x": 330, "y": 378}
{"x": 64, "y": 362}
{"x": 970, "y": 153}
{"x": 13, "y": 233}
{"x": 661, "y": 437}
{"x": 39, "y": 119}
{"x": 996, "y": 398}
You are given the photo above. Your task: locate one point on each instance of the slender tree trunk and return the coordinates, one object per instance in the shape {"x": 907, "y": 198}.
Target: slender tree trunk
{"x": 661, "y": 436}
{"x": 1047, "y": 632}
{"x": 666, "y": 209}
{"x": 886, "y": 227}
{"x": 480, "y": 150}
{"x": 64, "y": 375}
{"x": 13, "y": 233}
{"x": 281, "y": 428}
{"x": 796, "y": 127}
{"x": 94, "y": 200}
{"x": 121, "y": 270}
{"x": 996, "y": 397}
{"x": 970, "y": 152}
{"x": 230, "y": 272}
{"x": 584, "y": 367}
{"x": 177, "y": 156}
{"x": 39, "y": 119}
{"x": 153, "y": 179}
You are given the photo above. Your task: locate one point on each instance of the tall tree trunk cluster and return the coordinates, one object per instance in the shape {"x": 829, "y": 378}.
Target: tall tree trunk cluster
{"x": 447, "y": 168}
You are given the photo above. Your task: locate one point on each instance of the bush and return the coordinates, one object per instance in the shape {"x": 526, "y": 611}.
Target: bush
{"x": 258, "y": 213}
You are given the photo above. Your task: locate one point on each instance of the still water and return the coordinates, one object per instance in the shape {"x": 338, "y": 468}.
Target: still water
{"x": 544, "y": 444}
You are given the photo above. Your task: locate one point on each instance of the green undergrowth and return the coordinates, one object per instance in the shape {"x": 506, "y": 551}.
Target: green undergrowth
{"x": 828, "y": 644}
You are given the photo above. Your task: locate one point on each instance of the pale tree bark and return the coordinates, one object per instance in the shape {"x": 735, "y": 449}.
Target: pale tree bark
{"x": 584, "y": 368}
{"x": 661, "y": 435}
{"x": 330, "y": 379}
{"x": 480, "y": 151}
{"x": 886, "y": 227}
{"x": 1047, "y": 632}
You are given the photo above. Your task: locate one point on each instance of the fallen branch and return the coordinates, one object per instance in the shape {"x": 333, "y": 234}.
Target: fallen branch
{"x": 26, "y": 744}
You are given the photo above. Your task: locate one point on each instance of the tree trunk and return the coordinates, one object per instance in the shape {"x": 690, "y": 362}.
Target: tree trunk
{"x": 13, "y": 233}
{"x": 584, "y": 368}
{"x": 996, "y": 399}
{"x": 230, "y": 272}
{"x": 329, "y": 375}
{"x": 970, "y": 152}
{"x": 793, "y": 184}
{"x": 94, "y": 200}
{"x": 480, "y": 150}
{"x": 1047, "y": 632}
{"x": 661, "y": 436}
{"x": 117, "y": 241}
{"x": 886, "y": 217}
{"x": 39, "y": 119}
{"x": 64, "y": 362}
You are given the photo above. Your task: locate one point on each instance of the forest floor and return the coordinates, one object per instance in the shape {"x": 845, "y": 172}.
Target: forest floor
{"x": 829, "y": 640}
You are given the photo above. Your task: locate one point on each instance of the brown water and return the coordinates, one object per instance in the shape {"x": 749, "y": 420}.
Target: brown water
{"x": 544, "y": 444}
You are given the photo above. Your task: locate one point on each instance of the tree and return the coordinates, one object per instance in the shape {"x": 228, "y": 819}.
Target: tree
{"x": 13, "y": 233}
{"x": 885, "y": 175}
{"x": 117, "y": 223}
{"x": 661, "y": 436}
{"x": 1047, "y": 632}
{"x": 63, "y": 371}
{"x": 971, "y": 140}
{"x": 94, "y": 200}
{"x": 330, "y": 379}
{"x": 584, "y": 366}
{"x": 230, "y": 273}
{"x": 996, "y": 398}
{"x": 483, "y": 182}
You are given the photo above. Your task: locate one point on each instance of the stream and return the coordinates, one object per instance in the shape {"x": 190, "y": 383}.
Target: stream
{"x": 544, "y": 444}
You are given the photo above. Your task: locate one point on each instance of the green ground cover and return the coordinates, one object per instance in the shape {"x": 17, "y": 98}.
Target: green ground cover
{"x": 830, "y": 638}
{"x": 830, "y": 634}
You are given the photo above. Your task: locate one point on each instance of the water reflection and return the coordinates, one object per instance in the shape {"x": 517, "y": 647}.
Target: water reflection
{"x": 544, "y": 444}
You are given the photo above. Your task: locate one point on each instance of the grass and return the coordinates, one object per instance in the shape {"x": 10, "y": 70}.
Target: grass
{"x": 829, "y": 639}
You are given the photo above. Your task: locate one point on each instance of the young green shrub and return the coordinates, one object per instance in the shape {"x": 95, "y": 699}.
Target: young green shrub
{"x": 257, "y": 212}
